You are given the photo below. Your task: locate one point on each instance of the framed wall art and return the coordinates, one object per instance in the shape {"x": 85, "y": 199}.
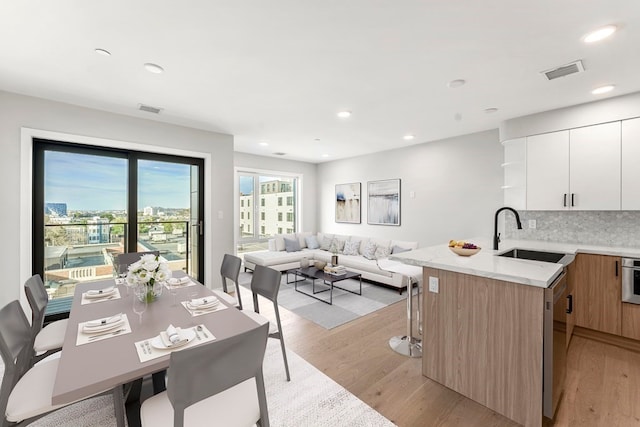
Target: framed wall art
{"x": 348, "y": 203}
{"x": 383, "y": 202}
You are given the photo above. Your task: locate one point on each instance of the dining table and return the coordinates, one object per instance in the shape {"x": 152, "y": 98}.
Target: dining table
{"x": 94, "y": 363}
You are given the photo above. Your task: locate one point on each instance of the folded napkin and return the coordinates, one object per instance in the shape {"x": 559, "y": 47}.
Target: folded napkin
{"x": 99, "y": 323}
{"x": 105, "y": 291}
{"x": 174, "y": 281}
{"x": 205, "y": 302}
{"x": 171, "y": 337}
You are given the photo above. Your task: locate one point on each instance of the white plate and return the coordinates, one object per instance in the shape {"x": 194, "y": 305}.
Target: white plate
{"x": 100, "y": 295}
{"x": 102, "y": 328}
{"x": 203, "y": 306}
{"x": 188, "y": 334}
{"x": 174, "y": 281}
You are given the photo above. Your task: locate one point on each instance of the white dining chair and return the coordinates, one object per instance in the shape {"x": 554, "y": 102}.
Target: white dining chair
{"x": 47, "y": 340}
{"x": 230, "y": 270}
{"x": 215, "y": 384}
{"x": 266, "y": 283}
{"x": 25, "y": 394}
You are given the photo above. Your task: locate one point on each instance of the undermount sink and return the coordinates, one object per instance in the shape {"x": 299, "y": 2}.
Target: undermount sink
{"x": 554, "y": 257}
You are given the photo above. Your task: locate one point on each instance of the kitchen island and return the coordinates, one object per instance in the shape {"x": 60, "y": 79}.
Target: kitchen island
{"x": 483, "y": 327}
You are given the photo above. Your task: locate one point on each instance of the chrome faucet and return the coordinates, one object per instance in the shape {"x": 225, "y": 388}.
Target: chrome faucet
{"x": 496, "y": 235}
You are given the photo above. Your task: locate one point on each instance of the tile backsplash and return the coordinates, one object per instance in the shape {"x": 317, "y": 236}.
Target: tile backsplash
{"x": 607, "y": 228}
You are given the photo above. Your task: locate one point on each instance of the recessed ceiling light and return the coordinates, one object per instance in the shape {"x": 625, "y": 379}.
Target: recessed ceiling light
{"x": 325, "y": 155}
{"x": 603, "y": 89}
{"x": 264, "y": 144}
{"x": 408, "y": 137}
{"x": 600, "y": 34}
{"x": 317, "y": 139}
{"x": 344, "y": 114}
{"x": 153, "y": 68}
{"x": 456, "y": 83}
{"x": 457, "y": 117}
{"x": 102, "y": 52}
{"x": 491, "y": 110}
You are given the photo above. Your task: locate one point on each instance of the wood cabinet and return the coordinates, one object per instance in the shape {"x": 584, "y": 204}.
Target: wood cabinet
{"x": 597, "y": 293}
{"x": 630, "y": 169}
{"x": 631, "y": 320}
{"x": 571, "y": 313}
{"x": 577, "y": 169}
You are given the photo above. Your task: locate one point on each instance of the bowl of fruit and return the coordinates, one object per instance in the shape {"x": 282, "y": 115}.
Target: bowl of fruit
{"x": 462, "y": 248}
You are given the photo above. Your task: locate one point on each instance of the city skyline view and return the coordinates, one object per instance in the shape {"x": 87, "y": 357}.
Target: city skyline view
{"x": 99, "y": 183}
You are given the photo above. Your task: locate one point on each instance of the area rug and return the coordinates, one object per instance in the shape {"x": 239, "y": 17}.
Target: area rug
{"x": 346, "y": 306}
{"x": 309, "y": 399}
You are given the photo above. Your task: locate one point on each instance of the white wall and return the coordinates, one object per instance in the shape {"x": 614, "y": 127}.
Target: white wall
{"x": 18, "y": 112}
{"x": 308, "y": 172}
{"x": 456, "y": 183}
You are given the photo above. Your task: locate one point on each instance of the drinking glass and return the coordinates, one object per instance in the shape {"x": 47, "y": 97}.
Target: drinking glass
{"x": 139, "y": 300}
{"x": 173, "y": 290}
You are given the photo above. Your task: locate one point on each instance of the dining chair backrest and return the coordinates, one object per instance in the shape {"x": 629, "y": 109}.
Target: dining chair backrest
{"x": 204, "y": 371}
{"x": 15, "y": 348}
{"x": 123, "y": 261}
{"x": 230, "y": 270}
{"x": 38, "y": 299}
{"x": 266, "y": 282}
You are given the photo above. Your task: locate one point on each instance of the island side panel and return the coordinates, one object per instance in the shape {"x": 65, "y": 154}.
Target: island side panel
{"x": 483, "y": 339}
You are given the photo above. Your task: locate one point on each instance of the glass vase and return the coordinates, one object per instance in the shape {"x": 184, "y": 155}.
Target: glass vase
{"x": 152, "y": 291}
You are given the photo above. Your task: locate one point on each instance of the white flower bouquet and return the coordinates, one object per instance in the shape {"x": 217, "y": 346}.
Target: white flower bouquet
{"x": 149, "y": 272}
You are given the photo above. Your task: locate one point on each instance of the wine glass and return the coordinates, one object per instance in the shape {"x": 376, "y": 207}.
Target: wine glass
{"x": 173, "y": 290}
{"x": 139, "y": 300}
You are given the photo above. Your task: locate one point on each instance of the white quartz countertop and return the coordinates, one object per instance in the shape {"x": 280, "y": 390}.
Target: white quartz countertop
{"x": 486, "y": 264}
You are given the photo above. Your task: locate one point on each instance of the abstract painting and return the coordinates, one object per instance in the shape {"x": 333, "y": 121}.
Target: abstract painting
{"x": 348, "y": 203}
{"x": 384, "y": 202}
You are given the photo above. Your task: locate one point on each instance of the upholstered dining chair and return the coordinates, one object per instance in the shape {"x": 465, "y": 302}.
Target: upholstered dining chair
{"x": 25, "y": 394}
{"x": 219, "y": 383}
{"x": 122, "y": 261}
{"x": 230, "y": 270}
{"x": 49, "y": 339}
{"x": 266, "y": 283}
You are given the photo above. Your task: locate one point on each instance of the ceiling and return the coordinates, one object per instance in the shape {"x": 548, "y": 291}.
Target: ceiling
{"x": 278, "y": 71}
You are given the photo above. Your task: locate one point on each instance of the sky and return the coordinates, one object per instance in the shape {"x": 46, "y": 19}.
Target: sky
{"x": 86, "y": 182}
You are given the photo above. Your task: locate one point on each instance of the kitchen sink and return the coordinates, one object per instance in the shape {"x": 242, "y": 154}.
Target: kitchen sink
{"x": 533, "y": 255}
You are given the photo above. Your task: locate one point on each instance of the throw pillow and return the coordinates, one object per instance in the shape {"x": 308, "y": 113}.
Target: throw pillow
{"x": 369, "y": 251}
{"x": 312, "y": 242}
{"x": 326, "y": 243}
{"x": 351, "y": 248}
{"x": 381, "y": 252}
{"x": 291, "y": 245}
{"x": 399, "y": 250}
{"x": 337, "y": 246}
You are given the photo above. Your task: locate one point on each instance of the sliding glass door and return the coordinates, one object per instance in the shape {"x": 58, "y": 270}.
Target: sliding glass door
{"x": 92, "y": 203}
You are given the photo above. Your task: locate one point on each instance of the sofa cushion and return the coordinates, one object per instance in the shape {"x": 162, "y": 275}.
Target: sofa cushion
{"x": 321, "y": 237}
{"x": 292, "y": 245}
{"x": 351, "y": 248}
{"x": 381, "y": 252}
{"x": 312, "y": 242}
{"x": 269, "y": 258}
{"x": 325, "y": 245}
{"x": 279, "y": 238}
{"x": 369, "y": 251}
{"x": 404, "y": 244}
{"x": 385, "y": 243}
{"x": 302, "y": 238}
{"x": 399, "y": 249}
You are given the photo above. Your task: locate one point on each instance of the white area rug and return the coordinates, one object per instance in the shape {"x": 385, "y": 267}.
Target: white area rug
{"x": 311, "y": 399}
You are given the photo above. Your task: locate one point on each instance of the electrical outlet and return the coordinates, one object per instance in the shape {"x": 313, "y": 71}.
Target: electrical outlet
{"x": 532, "y": 223}
{"x": 433, "y": 285}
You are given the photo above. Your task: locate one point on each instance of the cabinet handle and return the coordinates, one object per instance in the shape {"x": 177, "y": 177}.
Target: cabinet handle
{"x": 564, "y": 200}
{"x": 572, "y": 195}
{"x": 570, "y": 309}
{"x": 616, "y": 268}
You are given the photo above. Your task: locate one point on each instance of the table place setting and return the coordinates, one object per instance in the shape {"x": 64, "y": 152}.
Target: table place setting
{"x": 99, "y": 295}
{"x": 104, "y": 328}
{"x": 176, "y": 283}
{"x": 172, "y": 339}
{"x": 202, "y": 306}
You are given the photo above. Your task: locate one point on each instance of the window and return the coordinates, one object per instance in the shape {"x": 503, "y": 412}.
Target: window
{"x": 262, "y": 202}
{"x": 289, "y": 216}
{"x": 262, "y": 229}
{"x": 262, "y": 217}
{"x": 241, "y": 215}
{"x": 279, "y": 201}
{"x": 242, "y": 203}
{"x": 289, "y": 230}
{"x": 248, "y": 215}
{"x": 289, "y": 201}
{"x": 279, "y": 230}
{"x": 279, "y": 216}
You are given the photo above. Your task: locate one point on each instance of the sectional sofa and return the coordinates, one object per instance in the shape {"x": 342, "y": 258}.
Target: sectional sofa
{"x": 364, "y": 255}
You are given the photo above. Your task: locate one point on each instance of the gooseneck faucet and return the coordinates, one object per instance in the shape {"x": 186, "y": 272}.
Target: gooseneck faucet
{"x": 496, "y": 235}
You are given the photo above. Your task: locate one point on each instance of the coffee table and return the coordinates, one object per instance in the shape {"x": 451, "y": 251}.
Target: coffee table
{"x": 328, "y": 281}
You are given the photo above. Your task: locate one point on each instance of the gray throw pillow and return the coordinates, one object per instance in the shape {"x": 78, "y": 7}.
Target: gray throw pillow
{"x": 326, "y": 243}
{"x": 351, "y": 248}
{"x": 399, "y": 250}
{"x": 312, "y": 242}
{"x": 291, "y": 245}
{"x": 369, "y": 251}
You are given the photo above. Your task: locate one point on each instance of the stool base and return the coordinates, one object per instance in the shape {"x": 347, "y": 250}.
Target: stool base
{"x": 406, "y": 346}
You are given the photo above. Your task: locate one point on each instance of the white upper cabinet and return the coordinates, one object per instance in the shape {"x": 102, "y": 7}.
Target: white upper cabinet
{"x": 594, "y": 167}
{"x": 631, "y": 164}
{"x": 548, "y": 171}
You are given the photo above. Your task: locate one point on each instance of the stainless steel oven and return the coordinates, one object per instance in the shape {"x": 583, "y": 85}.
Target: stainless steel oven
{"x": 631, "y": 280}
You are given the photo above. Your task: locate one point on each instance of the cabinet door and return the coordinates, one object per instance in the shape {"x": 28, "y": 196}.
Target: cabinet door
{"x": 571, "y": 313}
{"x": 631, "y": 320}
{"x": 548, "y": 171}
{"x": 597, "y": 292}
{"x": 594, "y": 167}
{"x": 630, "y": 169}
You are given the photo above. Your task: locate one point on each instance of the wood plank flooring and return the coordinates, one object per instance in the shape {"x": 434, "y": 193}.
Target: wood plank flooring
{"x": 603, "y": 381}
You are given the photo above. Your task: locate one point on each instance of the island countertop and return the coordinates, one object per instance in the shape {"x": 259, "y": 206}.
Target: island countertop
{"x": 486, "y": 264}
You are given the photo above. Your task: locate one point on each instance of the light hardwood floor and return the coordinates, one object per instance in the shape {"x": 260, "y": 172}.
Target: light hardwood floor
{"x": 602, "y": 389}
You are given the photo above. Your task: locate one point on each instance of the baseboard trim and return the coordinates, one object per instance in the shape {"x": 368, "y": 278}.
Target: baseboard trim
{"x": 603, "y": 337}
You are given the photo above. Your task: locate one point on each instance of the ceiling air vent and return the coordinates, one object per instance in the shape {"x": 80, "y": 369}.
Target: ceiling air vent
{"x": 279, "y": 154}
{"x": 149, "y": 108}
{"x": 564, "y": 70}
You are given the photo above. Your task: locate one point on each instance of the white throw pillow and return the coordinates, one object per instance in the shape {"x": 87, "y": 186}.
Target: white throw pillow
{"x": 326, "y": 243}
{"x": 381, "y": 252}
{"x": 369, "y": 251}
{"x": 351, "y": 248}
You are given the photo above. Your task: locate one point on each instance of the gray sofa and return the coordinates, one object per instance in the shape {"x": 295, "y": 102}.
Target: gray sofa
{"x": 354, "y": 252}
